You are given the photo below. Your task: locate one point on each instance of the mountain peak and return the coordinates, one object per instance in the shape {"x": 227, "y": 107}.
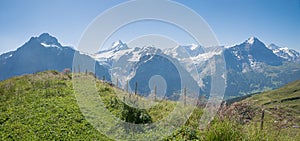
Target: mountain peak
{"x": 252, "y": 40}
{"x": 119, "y": 45}
{"x": 116, "y": 46}
{"x": 47, "y": 40}
{"x": 45, "y": 35}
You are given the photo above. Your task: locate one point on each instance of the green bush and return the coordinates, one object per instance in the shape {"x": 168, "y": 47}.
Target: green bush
{"x": 127, "y": 113}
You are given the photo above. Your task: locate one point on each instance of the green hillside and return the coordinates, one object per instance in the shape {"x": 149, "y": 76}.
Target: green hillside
{"x": 282, "y": 106}
{"x": 281, "y": 112}
{"x": 43, "y": 106}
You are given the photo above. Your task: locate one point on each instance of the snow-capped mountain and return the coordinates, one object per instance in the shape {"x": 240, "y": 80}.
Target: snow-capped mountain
{"x": 253, "y": 67}
{"x": 119, "y": 50}
{"x": 250, "y": 57}
{"x": 123, "y": 60}
{"x": 195, "y": 59}
{"x": 40, "y": 54}
{"x": 139, "y": 65}
{"x": 286, "y": 53}
{"x": 132, "y": 63}
{"x": 251, "y": 54}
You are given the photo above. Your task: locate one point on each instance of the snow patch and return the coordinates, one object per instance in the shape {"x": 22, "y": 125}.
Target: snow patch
{"x": 193, "y": 47}
{"x": 46, "y": 45}
{"x": 251, "y": 40}
{"x": 8, "y": 56}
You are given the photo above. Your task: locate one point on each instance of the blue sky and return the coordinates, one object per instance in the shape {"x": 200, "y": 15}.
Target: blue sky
{"x": 233, "y": 21}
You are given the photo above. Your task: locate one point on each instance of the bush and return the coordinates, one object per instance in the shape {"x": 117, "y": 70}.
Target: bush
{"x": 127, "y": 113}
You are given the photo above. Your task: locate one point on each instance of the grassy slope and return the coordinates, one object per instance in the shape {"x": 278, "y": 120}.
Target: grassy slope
{"x": 43, "y": 107}
{"x": 282, "y": 112}
{"x": 282, "y": 105}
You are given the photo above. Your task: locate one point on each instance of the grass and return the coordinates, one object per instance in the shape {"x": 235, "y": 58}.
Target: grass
{"x": 48, "y": 106}
{"x": 42, "y": 107}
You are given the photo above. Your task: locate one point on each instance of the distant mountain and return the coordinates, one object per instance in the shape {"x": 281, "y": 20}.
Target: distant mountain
{"x": 40, "y": 54}
{"x": 251, "y": 66}
{"x": 286, "y": 53}
{"x": 252, "y": 54}
{"x": 138, "y": 65}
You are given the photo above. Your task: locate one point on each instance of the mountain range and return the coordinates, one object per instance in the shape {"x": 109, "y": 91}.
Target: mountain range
{"x": 251, "y": 66}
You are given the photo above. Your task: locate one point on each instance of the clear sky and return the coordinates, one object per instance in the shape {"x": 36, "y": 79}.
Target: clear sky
{"x": 233, "y": 21}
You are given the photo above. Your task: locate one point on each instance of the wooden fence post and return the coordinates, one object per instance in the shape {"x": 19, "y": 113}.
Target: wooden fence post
{"x": 117, "y": 83}
{"x": 154, "y": 93}
{"x": 127, "y": 86}
{"x": 184, "y": 94}
{"x": 262, "y": 119}
{"x": 78, "y": 68}
{"x": 136, "y": 85}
